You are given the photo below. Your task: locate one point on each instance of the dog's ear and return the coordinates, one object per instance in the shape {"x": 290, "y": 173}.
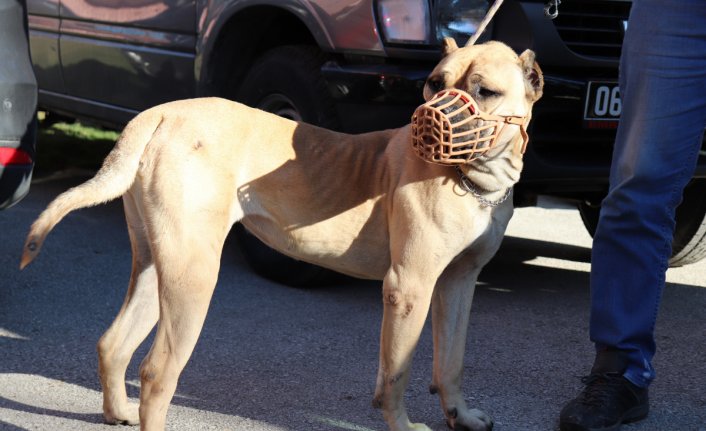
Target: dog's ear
{"x": 534, "y": 78}
{"x": 448, "y": 45}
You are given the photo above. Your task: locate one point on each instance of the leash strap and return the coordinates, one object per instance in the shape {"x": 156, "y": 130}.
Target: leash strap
{"x": 483, "y": 24}
{"x": 551, "y": 10}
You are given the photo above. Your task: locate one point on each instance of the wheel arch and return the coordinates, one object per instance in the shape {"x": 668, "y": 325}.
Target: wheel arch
{"x": 241, "y": 31}
{"x": 689, "y": 241}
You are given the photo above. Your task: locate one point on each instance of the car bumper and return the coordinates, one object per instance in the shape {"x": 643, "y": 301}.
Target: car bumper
{"x": 14, "y": 184}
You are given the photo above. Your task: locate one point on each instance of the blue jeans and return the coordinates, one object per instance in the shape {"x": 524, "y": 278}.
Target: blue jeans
{"x": 663, "y": 88}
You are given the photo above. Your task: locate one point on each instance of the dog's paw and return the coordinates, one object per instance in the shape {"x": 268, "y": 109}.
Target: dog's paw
{"x": 408, "y": 426}
{"x": 419, "y": 427}
{"x": 128, "y": 415}
{"x": 470, "y": 420}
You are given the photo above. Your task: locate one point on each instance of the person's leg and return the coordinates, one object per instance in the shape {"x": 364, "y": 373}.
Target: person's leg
{"x": 663, "y": 84}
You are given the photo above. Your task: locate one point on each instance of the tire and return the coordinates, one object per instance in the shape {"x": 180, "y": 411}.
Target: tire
{"x": 279, "y": 268}
{"x": 287, "y": 81}
{"x": 689, "y": 243}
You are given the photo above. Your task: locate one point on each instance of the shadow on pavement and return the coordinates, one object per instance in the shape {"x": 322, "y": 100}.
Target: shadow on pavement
{"x": 300, "y": 359}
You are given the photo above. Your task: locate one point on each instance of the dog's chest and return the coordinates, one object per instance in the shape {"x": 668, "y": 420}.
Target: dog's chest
{"x": 485, "y": 228}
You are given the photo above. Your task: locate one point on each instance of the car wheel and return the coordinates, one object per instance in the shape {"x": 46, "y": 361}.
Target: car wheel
{"x": 277, "y": 267}
{"x": 287, "y": 81}
{"x": 689, "y": 244}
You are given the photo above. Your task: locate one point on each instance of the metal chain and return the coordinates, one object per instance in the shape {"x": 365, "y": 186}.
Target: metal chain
{"x": 470, "y": 187}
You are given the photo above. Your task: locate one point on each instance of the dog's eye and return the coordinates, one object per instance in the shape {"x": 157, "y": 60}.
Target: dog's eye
{"x": 486, "y": 93}
{"x": 435, "y": 84}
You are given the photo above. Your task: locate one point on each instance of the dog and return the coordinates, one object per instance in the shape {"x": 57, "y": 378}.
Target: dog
{"x": 366, "y": 205}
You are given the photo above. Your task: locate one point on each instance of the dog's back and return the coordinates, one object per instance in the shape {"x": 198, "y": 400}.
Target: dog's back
{"x": 190, "y": 153}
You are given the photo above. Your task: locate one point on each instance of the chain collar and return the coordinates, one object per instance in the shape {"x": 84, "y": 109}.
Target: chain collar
{"x": 468, "y": 185}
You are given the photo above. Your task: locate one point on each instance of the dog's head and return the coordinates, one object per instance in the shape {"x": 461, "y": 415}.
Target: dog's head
{"x": 472, "y": 95}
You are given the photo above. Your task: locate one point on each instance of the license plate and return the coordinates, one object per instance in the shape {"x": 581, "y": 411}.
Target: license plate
{"x": 603, "y": 105}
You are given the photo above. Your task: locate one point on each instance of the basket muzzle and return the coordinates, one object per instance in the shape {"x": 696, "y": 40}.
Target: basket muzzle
{"x": 450, "y": 129}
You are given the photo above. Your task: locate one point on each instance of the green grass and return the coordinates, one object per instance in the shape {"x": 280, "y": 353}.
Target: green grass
{"x": 62, "y": 146}
{"x": 82, "y": 132}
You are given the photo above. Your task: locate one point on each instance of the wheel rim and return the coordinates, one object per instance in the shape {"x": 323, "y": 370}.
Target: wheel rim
{"x": 281, "y": 105}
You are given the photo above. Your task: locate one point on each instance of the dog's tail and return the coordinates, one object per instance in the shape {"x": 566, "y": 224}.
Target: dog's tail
{"x": 111, "y": 181}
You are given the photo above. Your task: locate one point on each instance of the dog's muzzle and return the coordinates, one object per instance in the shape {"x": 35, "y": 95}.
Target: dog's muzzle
{"x": 450, "y": 129}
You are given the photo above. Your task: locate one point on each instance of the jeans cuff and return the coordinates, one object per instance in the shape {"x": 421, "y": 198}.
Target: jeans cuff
{"x": 639, "y": 378}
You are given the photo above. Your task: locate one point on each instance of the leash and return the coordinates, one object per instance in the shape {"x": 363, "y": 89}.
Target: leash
{"x": 551, "y": 10}
{"x": 483, "y": 24}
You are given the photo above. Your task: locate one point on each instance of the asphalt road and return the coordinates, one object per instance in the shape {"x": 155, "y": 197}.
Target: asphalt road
{"x": 277, "y": 358}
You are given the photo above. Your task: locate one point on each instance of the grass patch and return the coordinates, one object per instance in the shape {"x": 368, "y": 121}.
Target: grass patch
{"x": 63, "y": 146}
{"x": 80, "y": 131}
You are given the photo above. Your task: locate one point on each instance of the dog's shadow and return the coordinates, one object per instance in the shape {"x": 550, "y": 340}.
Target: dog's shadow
{"x": 275, "y": 357}
{"x": 300, "y": 359}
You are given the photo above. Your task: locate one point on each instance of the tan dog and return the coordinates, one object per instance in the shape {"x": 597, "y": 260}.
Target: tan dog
{"x": 364, "y": 205}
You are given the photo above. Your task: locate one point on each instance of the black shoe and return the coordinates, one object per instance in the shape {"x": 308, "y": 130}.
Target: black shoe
{"x": 608, "y": 400}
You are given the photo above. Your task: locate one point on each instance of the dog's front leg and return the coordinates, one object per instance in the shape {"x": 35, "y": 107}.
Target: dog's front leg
{"x": 406, "y": 298}
{"x": 451, "y": 306}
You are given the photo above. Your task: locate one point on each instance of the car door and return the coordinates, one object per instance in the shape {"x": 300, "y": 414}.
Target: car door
{"x": 43, "y": 18}
{"x": 127, "y": 55}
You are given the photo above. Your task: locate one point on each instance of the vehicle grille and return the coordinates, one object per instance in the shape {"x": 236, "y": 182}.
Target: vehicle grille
{"x": 593, "y": 28}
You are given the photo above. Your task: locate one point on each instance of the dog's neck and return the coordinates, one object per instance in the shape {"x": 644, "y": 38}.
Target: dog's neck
{"x": 490, "y": 179}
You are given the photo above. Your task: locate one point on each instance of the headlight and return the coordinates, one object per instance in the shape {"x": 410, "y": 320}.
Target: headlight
{"x": 405, "y": 21}
{"x": 458, "y": 19}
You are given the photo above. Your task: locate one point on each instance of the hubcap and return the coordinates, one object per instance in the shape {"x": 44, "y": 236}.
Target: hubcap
{"x": 281, "y": 105}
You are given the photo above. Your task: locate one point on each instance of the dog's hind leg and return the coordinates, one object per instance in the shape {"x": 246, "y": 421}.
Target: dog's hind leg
{"x": 451, "y": 306}
{"x": 187, "y": 258}
{"x": 135, "y": 320}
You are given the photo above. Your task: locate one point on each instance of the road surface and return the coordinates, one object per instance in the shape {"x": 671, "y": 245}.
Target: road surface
{"x": 274, "y": 358}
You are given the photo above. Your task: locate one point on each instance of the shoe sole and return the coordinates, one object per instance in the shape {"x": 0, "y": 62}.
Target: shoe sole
{"x": 637, "y": 414}
{"x": 634, "y": 415}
